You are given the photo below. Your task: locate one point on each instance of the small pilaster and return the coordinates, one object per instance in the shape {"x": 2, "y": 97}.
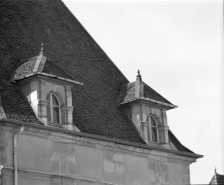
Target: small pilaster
{"x": 42, "y": 102}
{"x": 164, "y": 138}
{"x": 163, "y": 130}
{"x": 67, "y": 112}
{"x": 144, "y": 131}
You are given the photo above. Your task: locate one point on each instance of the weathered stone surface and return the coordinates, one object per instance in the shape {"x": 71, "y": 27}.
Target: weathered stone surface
{"x": 118, "y": 157}
{"x": 109, "y": 166}
{"x": 119, "y": 168}
{"x": 151, "y": 176}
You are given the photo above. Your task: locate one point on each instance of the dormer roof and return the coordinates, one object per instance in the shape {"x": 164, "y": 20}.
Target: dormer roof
{"x": 217, "y": 179}
{"x": 41, "y": 65}
{"x": 139, "y": 90}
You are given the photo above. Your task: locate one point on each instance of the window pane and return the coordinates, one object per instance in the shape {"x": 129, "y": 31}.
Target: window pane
{"x": 54, "y": 100}
{"x": 56, "y": 114}
{"x": 154, "y": 134}
{"x": 48, "y": 113}
{"x": 153, "y": 122}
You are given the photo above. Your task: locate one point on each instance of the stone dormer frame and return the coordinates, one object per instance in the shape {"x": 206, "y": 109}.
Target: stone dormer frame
{"x": 37, "y": 87}
{"x": 138, "y": 110}
{"x": 159, "y": 114}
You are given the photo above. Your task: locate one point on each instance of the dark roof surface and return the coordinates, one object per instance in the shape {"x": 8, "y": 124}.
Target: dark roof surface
{"x": 177, "y": 143}
{"x": 39, "y": 64}
{"x": 16, "y": 106}
{"x": 217, "y": 179}
{"x": 128, "y": 93}
{"x": 24, "y": 25}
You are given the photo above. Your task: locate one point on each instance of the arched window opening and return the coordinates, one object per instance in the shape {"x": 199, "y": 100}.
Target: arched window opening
{"x": 152, "y": 129}
{"x": 53, "y": 109}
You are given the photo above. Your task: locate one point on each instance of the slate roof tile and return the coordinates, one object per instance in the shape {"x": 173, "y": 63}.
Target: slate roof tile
{"x": 177, "y": 143}
{"x": 16, "y": 106}
{"x": 128, "y": 93}
{"x": 217, "y": 179}
{"x": 51, "y": 68}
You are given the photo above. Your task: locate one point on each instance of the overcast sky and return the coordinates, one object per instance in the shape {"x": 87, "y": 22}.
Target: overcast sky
{"x": 177, "y": 46}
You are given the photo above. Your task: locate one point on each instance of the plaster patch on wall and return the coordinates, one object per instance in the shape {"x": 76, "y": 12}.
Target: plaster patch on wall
{"x": 158, "y": 172}
{"x": 152, "y": 165}
{"x": 113, "y": 163}
{"x": 63, "y": 159}
{"x": 151, "y": 176}
{"x": 186, "y": 179}
{"x": 109, "y": 166}
{"x": 120, "y": 168}
{"x": 118, "y": 157}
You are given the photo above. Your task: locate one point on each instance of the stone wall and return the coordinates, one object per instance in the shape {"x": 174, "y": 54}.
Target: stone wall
{"x": 50, "y": 158}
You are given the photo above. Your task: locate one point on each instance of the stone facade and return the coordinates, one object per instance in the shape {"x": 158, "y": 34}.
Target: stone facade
{"x": 47, "y": 157}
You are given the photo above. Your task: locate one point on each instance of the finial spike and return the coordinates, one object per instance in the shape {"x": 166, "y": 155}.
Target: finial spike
{"x": 215, "y": 170}
{"x": 42, "y": 49}
{"x": 138, "y": 75}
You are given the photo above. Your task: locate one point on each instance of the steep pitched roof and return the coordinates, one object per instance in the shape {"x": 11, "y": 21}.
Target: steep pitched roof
{"x": 71, "y": 47}
{"x": 177, "y": 143}
{"x": 68, "y": 44}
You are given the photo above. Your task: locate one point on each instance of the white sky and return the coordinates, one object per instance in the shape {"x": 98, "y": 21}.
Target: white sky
{"x": 177, "y": 46}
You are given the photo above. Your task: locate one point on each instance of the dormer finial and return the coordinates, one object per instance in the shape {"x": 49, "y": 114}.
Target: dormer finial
{"x": 138, "y": 75}
{"x": 42, "y": 49}
{"x": 215, "y": 170}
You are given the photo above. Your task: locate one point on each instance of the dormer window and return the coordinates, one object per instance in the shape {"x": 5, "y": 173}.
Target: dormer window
{"x": 152, "y": 129}
{"x": 48, "y": 88}
{"x": 146, "y": 109}
{"x": 53, "y": 109}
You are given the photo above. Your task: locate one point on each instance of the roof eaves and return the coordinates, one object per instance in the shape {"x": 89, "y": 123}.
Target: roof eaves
{"x": 48, "y": 75}
{"x": 104, "y": 138}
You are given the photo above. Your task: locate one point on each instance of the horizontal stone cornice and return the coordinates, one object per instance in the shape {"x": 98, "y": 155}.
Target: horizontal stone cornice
{"x": 103, "y": 141}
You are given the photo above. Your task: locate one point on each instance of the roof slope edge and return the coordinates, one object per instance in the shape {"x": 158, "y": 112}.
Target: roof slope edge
{"x": 94, "y": 40}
